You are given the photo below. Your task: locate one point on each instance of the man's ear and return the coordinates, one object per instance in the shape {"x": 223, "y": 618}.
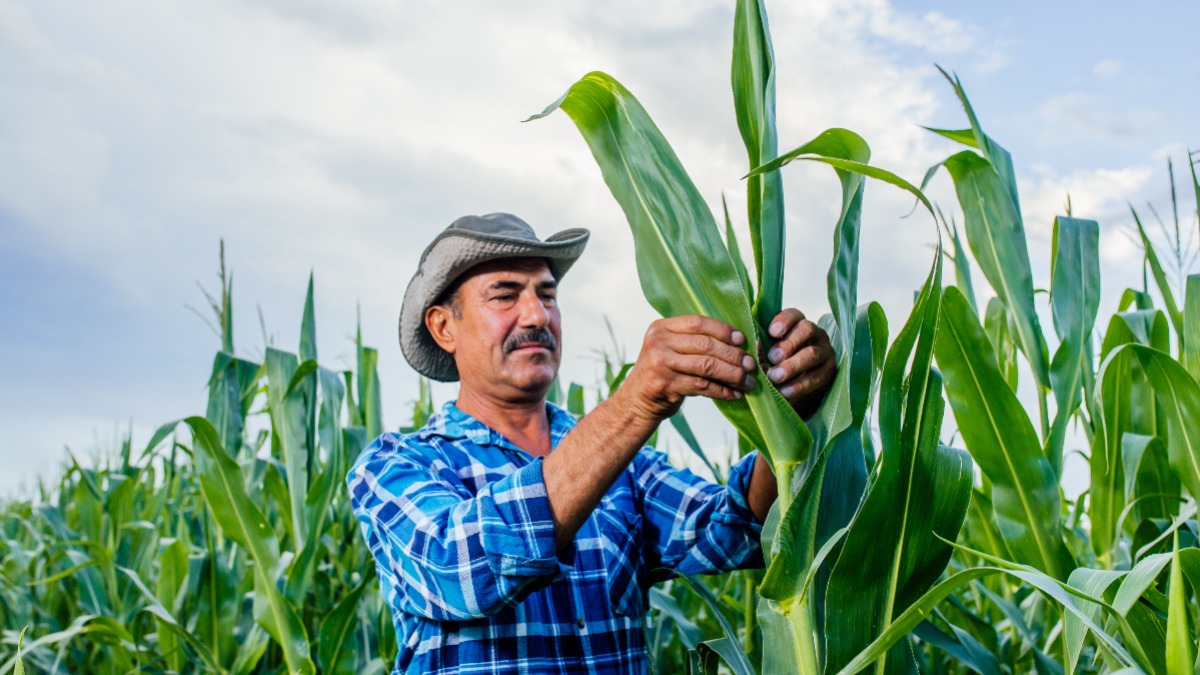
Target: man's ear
{"x": 440, "y": 323}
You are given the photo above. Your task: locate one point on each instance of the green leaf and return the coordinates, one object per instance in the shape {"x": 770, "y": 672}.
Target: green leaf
{"x": 998, "y": 434}
{"x": 1178, "y": 396}
{"x": 287, "y": 408}
{"x": 689, "y": 439}
{"x": 732, "y": 654}
{"x": 753, "y": 79}
{"x": 683, "y": 264}
{"x": 895, "y": 550}
{"x": 20, "y": 668}
{"x": 1108, "y": 493}
{"x": 735, "y": 253}
{"x": 1160, "y": 278}
{"x": 222, "y": 483}
{"x": 575, "y": 404}
{"x": 1181, "y": 652}
{"x": 1191, "y": 325}
{"x": 1074, "y": 301}
{"x": 336, "y": 653}
{"x": 997, "y": 239}
{"x": 996, "y": 325}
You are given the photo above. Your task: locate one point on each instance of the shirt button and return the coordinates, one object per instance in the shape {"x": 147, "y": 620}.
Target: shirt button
{"x": 582, "y": 624}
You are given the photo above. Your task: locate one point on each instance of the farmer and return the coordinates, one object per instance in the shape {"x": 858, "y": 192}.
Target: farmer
{"x": 511, "y": 537}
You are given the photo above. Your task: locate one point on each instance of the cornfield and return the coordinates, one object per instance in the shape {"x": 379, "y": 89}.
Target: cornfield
{"x": 904, "y": 539}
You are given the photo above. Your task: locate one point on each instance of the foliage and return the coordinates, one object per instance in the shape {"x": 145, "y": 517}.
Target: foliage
{"x": 226, "y": 543}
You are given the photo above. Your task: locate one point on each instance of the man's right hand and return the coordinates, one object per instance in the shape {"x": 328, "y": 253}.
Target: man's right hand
{"x": 687, "y": 356}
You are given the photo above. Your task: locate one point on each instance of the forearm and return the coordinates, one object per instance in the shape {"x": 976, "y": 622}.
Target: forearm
{"x": 763, "y": 489}
{"x": 589, "y": 459}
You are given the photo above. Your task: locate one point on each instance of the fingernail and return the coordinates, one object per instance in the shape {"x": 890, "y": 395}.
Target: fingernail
{"x": 775, "y": 355}
{"x": 775, "y": 374}
{"x": 737, "y": 395}
{"x": 776, "y": 329}
{"x": 787, "y": 392}
{"x": 737, "y": 337}
{"x": 748, "y": 383}
{"x": 748, "y": 362}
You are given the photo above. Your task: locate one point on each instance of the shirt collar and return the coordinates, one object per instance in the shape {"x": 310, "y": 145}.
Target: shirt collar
{"x": 454, "y": 424}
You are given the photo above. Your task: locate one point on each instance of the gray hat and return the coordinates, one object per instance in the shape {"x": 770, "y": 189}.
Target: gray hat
{"x": 469, "y": 241}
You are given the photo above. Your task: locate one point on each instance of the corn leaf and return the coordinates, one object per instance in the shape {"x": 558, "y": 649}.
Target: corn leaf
{"x": 683, "y": 265}
{"x": 287, "y": 407}
{"x": 894, "y": 550}
{"x": 1191, "y": 326}
{"x": 1178, "y": 396}
{"x": 1181, "y": 652}
{"x": 1074, "y": 302}
{"x": 1160, "y": 277}
{"x": 998, "y": 434}
{"x": 753, "y": 79}
{"x": 222, "y": 482}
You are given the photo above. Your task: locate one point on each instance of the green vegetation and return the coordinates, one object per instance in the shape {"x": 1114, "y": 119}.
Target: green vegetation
{"x": 226, "y": 543}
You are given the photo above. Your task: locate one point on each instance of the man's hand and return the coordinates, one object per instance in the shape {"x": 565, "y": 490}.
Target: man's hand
{"x": 802, "y": 363}
{"x": 687, "y": 356}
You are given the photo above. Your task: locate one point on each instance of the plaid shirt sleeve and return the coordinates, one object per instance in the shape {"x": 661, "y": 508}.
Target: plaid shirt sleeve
{"x": 455, "y": 556}
{"x": 694, "y": 526}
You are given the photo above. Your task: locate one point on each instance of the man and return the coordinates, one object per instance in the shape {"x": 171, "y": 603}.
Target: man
{"x": 510, "y": 537}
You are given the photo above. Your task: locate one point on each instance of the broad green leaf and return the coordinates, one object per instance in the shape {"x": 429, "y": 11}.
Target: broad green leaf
{"x": 288, "y": 415}
{"x": 20, "y": 667}
{"x": 172, "y": 574}
{"x": 996, "y": 325}
{"x": 894, "y": 550}
{"x": 1108, "y": 492}
{"x": 727, "y": 650}
{"x": 1151, "y": 487}
{"x": 1181, "y": 652}
{"x": 921, "y": 609}
{"x": 575, "y": 404}
{"x": 753, "y": 79}
{"x": 996, "y": 155}
{"x": 961, "y": 646}
{"x": 369, "y": 401}
{"x": 1094, "y": 583}
{"x": 962, "y": 265}
{"x": 1074, "y": 301}
{"x": 1178, "y": 396}
{"x": 732, "y": 654}
{"x": 683, "y": 265}
{"x": 689, "y": 439}
{"x": 230, "y": 390}
{"x": 337, "y": 654}
{"x": 1191, "y": 326}
{"x": 997, "y": 239}
{"x": 735, "y": 253}
{"x": 222, "y": 482}
{"x": 999, "y": 436}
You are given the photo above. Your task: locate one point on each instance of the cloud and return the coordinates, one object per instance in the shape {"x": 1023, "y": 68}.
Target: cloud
{"x": 339, "y": 138}
{"x": 1108, "y": 68}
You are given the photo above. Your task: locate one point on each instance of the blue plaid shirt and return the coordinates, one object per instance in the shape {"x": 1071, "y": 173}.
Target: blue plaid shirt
{"x": 459, "y": 523}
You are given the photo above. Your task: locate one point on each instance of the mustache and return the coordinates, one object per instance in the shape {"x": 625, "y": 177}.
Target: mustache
{"x": 530, "y": 336}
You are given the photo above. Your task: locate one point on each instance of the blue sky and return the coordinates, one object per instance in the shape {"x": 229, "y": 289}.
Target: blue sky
{"x": 315, "y": 136}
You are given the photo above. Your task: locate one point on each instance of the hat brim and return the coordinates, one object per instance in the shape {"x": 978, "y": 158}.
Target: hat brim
{"x": 453, "y": 253}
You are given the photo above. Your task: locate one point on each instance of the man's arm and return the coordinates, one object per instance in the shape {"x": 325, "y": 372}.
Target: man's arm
{"x": 680, "y": 357}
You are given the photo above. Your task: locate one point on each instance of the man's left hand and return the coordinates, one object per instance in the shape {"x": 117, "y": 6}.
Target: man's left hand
{"x": 802, "y": 363}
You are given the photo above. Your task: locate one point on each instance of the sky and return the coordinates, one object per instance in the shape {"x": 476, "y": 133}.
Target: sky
{"x": 331, "y": 138}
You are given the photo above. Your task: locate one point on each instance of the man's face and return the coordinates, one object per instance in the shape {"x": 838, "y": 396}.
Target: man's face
{"x": 506, "y": 331}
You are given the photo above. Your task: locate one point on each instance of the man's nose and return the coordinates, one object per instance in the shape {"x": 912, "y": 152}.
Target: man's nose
{"x": 533, "y": 311}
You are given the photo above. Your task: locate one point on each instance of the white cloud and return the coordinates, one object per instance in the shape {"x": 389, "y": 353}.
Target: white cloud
{"x": 1108, "y": 68}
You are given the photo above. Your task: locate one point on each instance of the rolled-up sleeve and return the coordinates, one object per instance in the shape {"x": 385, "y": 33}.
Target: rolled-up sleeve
{"x": 694, "y": 526}
{"x": 447, "y": 555}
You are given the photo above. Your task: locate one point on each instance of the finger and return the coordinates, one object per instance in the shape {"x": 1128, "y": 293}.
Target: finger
{"x": 810, "y": 381}
{"x": 784, "y": 321}
{"x": 691, "y": 343}
{"x": 809, "y": 356}
{"x": 710, "y": 368}
{"x": 802, "y": 333}
{"x": 704, "y": 325}
{"x": 699, "y": 386}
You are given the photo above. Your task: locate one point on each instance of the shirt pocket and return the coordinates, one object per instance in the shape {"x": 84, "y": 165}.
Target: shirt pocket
{"x": 621, "y": 532}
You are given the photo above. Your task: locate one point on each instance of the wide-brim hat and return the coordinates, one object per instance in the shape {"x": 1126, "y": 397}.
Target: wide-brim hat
{"x": 469, "y": 241}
